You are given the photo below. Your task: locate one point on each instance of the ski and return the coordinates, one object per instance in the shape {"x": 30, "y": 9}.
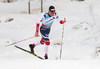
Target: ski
{"x": 29, "y": 52}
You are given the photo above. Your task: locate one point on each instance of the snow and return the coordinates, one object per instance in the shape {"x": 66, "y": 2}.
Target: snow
{"x": 81, "y": 35}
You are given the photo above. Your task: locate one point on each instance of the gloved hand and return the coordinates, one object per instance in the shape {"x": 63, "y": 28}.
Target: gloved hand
{"x": 63, "y": 21}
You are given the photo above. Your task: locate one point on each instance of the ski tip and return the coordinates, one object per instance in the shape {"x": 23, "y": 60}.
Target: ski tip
{"x": 4, "y": 45}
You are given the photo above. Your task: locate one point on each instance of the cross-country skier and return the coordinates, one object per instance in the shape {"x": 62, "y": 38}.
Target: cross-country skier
{"x": 47, "y": 20}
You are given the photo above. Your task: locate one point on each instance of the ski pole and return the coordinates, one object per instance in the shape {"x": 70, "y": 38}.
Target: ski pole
{"x": 62, "y": 40}
{"x": 19, "y": 41}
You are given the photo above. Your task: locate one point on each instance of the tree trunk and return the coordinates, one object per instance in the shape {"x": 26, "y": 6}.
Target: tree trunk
{"x": 29, "y": 6}
{"x": 41, "y": 6}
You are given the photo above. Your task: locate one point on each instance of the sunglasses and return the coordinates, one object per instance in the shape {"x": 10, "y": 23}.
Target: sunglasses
{"x": 52, "y": 12}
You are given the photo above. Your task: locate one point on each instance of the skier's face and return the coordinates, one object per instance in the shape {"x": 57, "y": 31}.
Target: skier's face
{"x": 51, "y": 13}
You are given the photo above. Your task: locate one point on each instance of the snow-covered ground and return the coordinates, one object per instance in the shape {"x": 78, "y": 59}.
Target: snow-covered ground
{"x": 81, "y": 35}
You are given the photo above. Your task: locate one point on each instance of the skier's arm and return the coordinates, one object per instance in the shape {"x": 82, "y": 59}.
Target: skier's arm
{"x": 59, "y": 20}
{"x": 38, "y": 24}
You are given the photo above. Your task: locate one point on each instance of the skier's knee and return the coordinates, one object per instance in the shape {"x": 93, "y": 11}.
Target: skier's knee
{"x": 41, "y": 41}
{"x": 47, "y": 42}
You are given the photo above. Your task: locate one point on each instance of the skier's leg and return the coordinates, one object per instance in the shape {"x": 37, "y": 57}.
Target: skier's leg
{"x": 47, "y": 43}
{"x": 45, "y": 36}
{"x": 37, "y": 43}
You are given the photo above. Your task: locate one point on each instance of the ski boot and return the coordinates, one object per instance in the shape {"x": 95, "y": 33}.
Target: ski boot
{"x": 46, "y": 56}
{"x": 32, "y": 48}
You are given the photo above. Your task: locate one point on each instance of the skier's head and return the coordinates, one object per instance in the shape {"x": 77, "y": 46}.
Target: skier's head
{"x": 51, "y": 10}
